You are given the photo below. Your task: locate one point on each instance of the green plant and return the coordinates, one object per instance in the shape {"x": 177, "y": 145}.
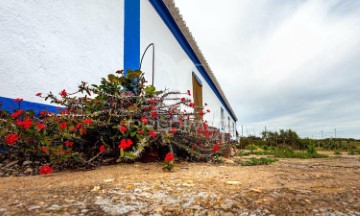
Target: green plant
{"x": 258, "y": 161}
{"x": 252, "y": 148}
{"x": 337, "y": 152}
{"x": 120, "y": 119}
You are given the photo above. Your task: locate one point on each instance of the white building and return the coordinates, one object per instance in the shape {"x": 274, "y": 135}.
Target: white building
{"x": 54, "y": 45}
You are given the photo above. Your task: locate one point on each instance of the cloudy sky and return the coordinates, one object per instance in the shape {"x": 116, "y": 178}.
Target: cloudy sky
{"x": 284, "y": 64}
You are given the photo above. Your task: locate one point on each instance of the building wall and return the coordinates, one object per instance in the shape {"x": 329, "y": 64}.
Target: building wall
{"x": 173, "y": 67}
{"x": 51, "y": 45}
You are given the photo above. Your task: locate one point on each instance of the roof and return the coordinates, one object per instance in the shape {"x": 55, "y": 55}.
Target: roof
{"x": 175, "y": 13}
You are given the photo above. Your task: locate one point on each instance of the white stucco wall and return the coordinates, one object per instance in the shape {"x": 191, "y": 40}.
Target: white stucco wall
{"x": 48, "y": 45}
{"x": 173, "y": 67}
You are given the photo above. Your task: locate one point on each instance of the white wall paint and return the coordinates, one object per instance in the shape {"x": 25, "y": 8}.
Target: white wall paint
{"x": 50, "y": 45}
{"x": 173, "y": 67}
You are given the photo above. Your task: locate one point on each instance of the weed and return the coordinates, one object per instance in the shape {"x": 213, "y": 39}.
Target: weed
{"x": 258, "y": 161}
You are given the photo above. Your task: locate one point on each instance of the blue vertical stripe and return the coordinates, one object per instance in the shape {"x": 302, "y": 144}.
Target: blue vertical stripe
{"x": 132, "y": 35}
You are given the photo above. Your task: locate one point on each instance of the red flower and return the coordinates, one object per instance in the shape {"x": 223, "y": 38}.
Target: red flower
{"x": 69, "y": 143}
{"x": 102, "y": 148}
{"x": 44, "y": 170}
{"x": 18, "y": 100}
{"x": 63, "y": 93}
{"x": 181, "y": 122}
{"x": 64, "y": 112}
{"x": 208, "y": 110}
{"x": 125, "y": 143}
{"x": 199, "y": 131}
{"x": 188, "y": 92}
{"x": 96, "y": 102}
{"x": 123, "y": 129}
{"x": 82, "y": 131}
{"x": 169, "y": 157}
{"x": 173, "y": 130}
{"x": 11, "y": 138}
{"x": 205, "y": 126}
{"x": 17, "y": 113}
{"x": 88, "y": 121}
{"x": 144, "y": 120}
{"x": 78, "y": 125}
{"x": 216, "y": 148}
{"x": 38, "y": 94}
{"x": 43, "y": 149}
{"x": 191, "y": 105}
{"x": 40, "y": 126}
{"x": 182, "y": 99}
{"x": 141, "y": 132}
{"x": 25, "y": 124}
{"x": 152, "y": 101}
{"x": 152, "y": 133}
{"x": 43, "y": 113}
{"x": 63, "y": 125}
{"x": 154, "y": 114}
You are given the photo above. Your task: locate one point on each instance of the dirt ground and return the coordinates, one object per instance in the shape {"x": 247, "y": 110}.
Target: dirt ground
{"x": 327, "y": 186}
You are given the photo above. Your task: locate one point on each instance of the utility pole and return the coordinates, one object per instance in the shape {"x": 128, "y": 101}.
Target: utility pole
{"x": 242, "y": 130}
{"x": 335, "y": 132}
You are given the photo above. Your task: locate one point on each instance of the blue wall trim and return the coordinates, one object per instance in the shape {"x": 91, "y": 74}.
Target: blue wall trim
{"x": 165, "y": 15}
{"x": 10, "y": 105}
{"x": 132, "y": 35}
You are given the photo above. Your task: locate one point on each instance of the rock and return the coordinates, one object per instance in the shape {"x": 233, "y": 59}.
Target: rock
{"x": 187, "y": 185}
{"x": 27, "y": 163}
{"x": 96, "y": 188}
{"x": 54, "y": 207}
{"x": 233, "y": 182}
{"x": 33, "y": 207}
{"x": 12, "y": 163}
{"x": 227, "y": 204}
{"x": 29, "y": 171}
{"x": 228, "y": 161}
{"x": 255, "y": 190}
{"x": 108, "y": 180}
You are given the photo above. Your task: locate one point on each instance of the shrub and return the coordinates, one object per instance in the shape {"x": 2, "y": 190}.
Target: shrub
{"x": 258, "y": 161}
{"x": 120, "y": 119}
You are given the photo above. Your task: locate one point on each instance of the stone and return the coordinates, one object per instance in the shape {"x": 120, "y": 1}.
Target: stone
{"x": 108, "y": 180}
{"x": 96, "y": 188}
{"x": 228, "y": 161}
{"x": 255, "y": 190}
{"x": 27, "y": 163}
{"x": 12, "y": 163}
{"x": 29, "y": 171}
{"x": 54, "y": 207}
{"x": 233, "y": 182}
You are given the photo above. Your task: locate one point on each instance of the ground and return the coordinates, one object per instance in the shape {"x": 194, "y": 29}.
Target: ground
{"x": 327, "y": 186}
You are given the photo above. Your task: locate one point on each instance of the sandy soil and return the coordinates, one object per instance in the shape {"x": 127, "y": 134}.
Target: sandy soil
{"x": 329, "y": 186}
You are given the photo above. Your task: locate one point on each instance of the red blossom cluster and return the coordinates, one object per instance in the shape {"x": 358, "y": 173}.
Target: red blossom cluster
{"x": 169, "y": 157}
{"x": 125, "y": 143}
{"x": 24, "y": 124}
{"x": 45, "y": 170}
{"x": 11, "y": 138}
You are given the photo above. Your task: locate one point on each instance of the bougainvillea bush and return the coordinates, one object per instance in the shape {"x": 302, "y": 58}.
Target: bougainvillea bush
{"x": 120, "y": 120}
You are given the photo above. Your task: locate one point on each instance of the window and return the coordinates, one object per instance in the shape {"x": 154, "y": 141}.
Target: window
{"x": 222, "y": 119}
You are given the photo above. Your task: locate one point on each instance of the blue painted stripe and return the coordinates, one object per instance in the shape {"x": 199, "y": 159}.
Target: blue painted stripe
{"x": 10, "y": 105}
{"x": 132, "y": 35}
{"x": 165, "y": 15}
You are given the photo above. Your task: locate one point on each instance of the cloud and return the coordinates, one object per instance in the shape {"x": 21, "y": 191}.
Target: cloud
{"x": 284, "y": 64}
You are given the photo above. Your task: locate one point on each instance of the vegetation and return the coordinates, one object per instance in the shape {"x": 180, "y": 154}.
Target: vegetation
{"x": 258, "y": 161}
{"x": 120, "y": 120}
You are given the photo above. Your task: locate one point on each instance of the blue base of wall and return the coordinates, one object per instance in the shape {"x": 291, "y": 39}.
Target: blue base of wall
{"x": 10, "y": 105}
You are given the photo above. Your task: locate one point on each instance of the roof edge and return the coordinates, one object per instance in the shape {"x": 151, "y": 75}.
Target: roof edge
{"x": 174, "y": 11}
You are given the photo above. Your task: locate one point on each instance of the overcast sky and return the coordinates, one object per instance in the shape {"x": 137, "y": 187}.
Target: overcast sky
{"x": 284, "y": 64}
